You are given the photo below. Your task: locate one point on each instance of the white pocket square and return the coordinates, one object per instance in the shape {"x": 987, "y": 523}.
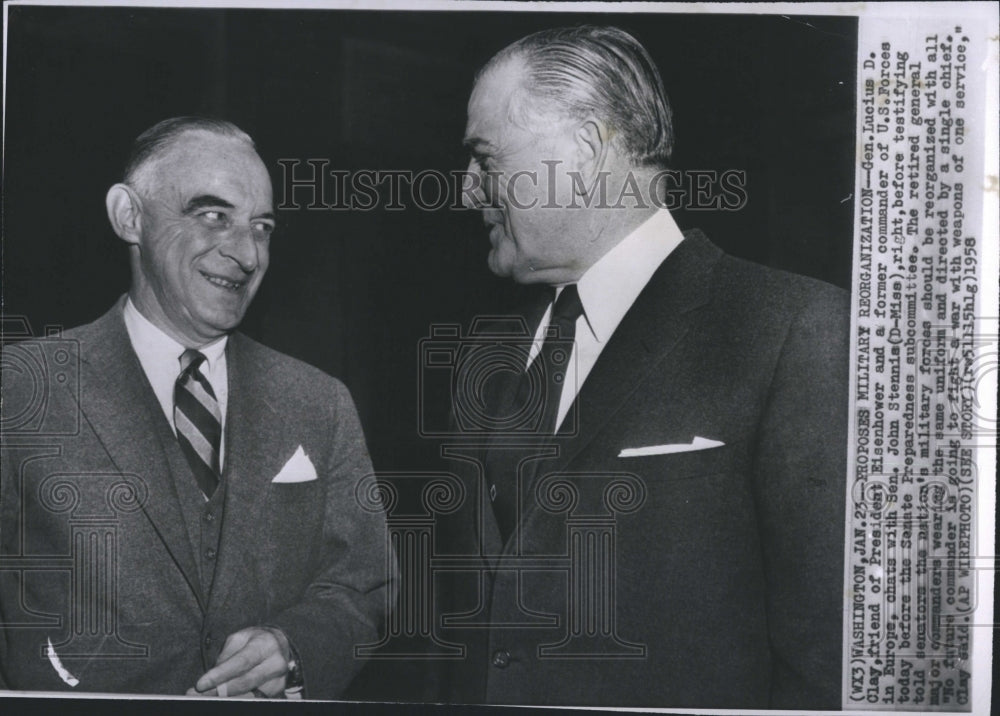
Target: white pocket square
{"x": 299, "y": 468}
{"x": 50, "y": 651}
{"x": 698, "y": 443}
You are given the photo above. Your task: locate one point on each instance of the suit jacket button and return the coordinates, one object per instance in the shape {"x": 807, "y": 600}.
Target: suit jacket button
{"x": 501, "y": 658}
{"x": 208, "y": 641}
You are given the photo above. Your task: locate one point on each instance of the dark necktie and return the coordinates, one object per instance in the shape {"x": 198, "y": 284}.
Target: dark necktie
{"x": 554, "y": 356}
{"x": 548, "y": 372}
{"x": 198, "y": 421}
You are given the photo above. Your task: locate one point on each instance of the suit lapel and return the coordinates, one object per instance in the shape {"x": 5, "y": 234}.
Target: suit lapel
{"x": 531, "y": 308}
{"x": 119, "y": 404}
{"x": 649, "y": 332}
{"x": 252, "y": 460}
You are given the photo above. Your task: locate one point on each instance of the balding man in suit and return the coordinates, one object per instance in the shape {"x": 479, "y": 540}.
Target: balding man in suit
{"x": 231, "y": 556}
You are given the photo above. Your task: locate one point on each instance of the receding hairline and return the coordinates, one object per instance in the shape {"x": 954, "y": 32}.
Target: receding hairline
{"x": 571, "y": 72}
{"x": 157, "y": 141}
{"x": 521, "y": 101}
{"x": 138, "y": 176}
{"x": 524, "y": 103}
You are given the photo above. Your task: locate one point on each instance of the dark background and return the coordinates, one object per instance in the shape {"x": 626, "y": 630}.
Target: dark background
{"x": 354, "y": 292}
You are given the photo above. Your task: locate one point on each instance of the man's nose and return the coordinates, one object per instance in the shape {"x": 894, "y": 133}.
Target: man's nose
{"x": 241, "y": 246}
{"x": 473, "y": 196}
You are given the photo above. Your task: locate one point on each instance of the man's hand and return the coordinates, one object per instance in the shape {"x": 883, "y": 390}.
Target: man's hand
{"x": 252, "y": 658}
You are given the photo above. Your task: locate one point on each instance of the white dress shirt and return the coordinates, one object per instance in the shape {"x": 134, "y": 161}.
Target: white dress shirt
{"x": 160, "y": 357}
{"x": 607, "y": 290}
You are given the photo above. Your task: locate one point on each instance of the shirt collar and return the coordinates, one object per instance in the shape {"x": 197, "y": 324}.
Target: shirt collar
{"x": 609, "y": 287}
{"x": 154, "y": 347}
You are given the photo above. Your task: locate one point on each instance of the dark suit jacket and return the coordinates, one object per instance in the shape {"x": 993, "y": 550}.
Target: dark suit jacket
{"x": 716, "y": 574}
{"x": 124, "y": 609}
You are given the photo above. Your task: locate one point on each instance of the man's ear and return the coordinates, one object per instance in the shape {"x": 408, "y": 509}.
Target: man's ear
{"x": 124, "y": 212}
{"x": 592, "y": 143}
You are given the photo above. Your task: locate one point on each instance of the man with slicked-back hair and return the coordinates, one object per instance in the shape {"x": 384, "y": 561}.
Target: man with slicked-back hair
{"x": 655, "y": 516}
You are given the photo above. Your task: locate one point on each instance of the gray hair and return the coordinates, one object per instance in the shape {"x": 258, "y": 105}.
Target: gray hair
{"x": 599, "y": 71}
{"x": 155, "y": 141}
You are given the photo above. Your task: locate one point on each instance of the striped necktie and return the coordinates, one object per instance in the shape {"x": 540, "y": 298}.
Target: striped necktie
{"x": 198, "y": 422}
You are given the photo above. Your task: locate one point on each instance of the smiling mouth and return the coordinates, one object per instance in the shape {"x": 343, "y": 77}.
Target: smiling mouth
{"x": 223, "y": 282}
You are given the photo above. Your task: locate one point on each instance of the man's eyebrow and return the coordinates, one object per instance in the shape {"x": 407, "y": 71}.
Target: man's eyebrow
{"x": 267, "y": 215}
{"x": 476, "y": 145}
{"x": 205, "y": 200}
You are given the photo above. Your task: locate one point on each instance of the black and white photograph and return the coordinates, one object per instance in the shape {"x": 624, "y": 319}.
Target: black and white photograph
{"x": 510, "y": 354}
